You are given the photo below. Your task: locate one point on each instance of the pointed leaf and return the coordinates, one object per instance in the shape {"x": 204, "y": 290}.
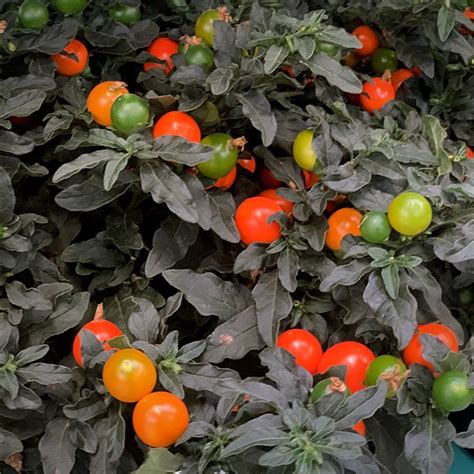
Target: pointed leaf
{"x": 165, "y": 186}
{"x": 273, "y": 304}
{"x": 209, "y": 294}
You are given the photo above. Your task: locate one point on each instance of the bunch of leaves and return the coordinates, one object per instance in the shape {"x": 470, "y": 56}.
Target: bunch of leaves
{"x": 88, "y": 215}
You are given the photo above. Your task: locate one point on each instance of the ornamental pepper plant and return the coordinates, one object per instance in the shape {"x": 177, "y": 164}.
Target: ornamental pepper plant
{"x": 270, "y": 204}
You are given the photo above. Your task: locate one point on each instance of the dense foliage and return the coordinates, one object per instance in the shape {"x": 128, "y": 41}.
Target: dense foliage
{"x": 98, "y": 204}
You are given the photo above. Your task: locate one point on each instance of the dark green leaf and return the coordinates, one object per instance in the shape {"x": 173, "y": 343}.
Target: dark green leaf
{"x": 110, "y": 434}
{"x": 31, "y": 354}
{"x": 361, "y": 405}
{"x": 428, "y": 443}
{"x": 391, "y": 280}
{"x": 446, "y": 21}
{"x": 9, "y": 444}
{"x": 86, "y": 408}
{"x": 57, "y": 450}
{"x": 66, "y": 315}
{"x": 222, "y": 209}
{"x": 171, "y": 243}
{"x": 23, "y": 104}
{"x": 220, "y": 80}
{"x": 18, "y": 145}
{"x": 25, "y": 298}
{"x": 423, "y": 280}
{"x": 258, "y": 110}
{"x": 224, "y": 46}
{"x": 113, "y": 168}
{"x": 179, "y": 150}
{"x": 255, "y": 437}
{"x": 165, "y": 186}
{"x": 45, "y": 374}
{"x": 83, "y": 437}
{"x": 160, "y": 461}
{"x": 336, "y": 74}
{"x": 436, "y": 135}
{"x": 398, "y": 313}
{"x": 293, "y": 381}
{"x": 234, "y": 338}
{"x": 465, "y": 439}
{"x": 339, "y": 36}
{"x": 274, "y": 57}
{"x": 345, "y": 275}
{"x": 144, "y": 321}
{"x": 273, "y": 303}
{"x": 288, "y": 268}
{"x": 305, "y": 46}
{"x": 89, "y": 195}
{"x": 209, "y": 294}
{"x": 251, "y": 258}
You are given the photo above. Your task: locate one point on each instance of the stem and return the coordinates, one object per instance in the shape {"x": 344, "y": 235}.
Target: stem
{"x": 387, "y": 76}
{"x": 190, "y": 41}
{"x": 337, "y": 385}
{"x": 99, "y": 312}
{"x": 238, "y": 143}
{"x": 117, "y": 85}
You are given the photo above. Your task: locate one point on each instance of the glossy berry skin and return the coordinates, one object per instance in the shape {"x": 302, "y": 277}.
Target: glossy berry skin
{"x": 368, "y": 38}
{"x": 350, "y": 59}
{"x": 345, "y": 221}
{"x": 267, "y": 180}
{"x": 70, "y": 7}
{"x": 199, "y": 55}
{"x": 329, "y": 48}
{"x": 285, "y": 204}
{"x": 125, "y": 14}
{"x": 353, "y": 99}
{"x": 33, "y": 14}
{"x": 103, "y": 330}
{"x": 163, "y": 49}
{"x": 129, "y": 375}
{"x": 360, "y": 428}
{"x": 355, "y": 356}
{"x": 384, "y": 364}
{"x": 159, "y": 419}
{"x": 101, "y": 99}
{"x": 204, "y": 27}
{"x": 410, "y": 213}
{"x": 227, "y": 181}
{"x": 224, "y": 157}
{"x": 67, "y": 65}
{"x": 251, "y": 220}
{"x": 384, "y": 60}
{"x": 451, "y": 391}
{"x": 399, "y": 77}
{"x": 130, "y": 114}
{"x": 310, "y": 179}
{"x": 304, "y": 346}
{"x": 375, "y": 227}
{"x": 303, "y": 151}
{"x": 178, "y": 124}
{"x": 469, "y": 13}
{"x": 376, "y": 94}
{"x": 247, "y": 162}
{"x": 470, "y": 153}
{"x": 413, "y": 352}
